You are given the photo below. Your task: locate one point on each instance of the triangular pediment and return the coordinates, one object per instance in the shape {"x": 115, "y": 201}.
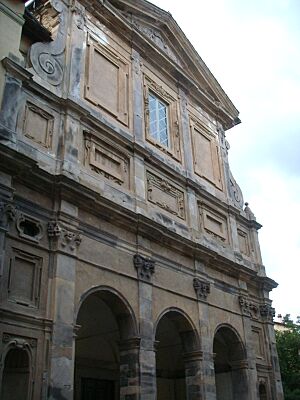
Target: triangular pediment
{"x": 160, "y": 28}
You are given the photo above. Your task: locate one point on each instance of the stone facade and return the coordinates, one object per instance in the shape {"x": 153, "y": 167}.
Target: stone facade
{"x": 130, "y": 267}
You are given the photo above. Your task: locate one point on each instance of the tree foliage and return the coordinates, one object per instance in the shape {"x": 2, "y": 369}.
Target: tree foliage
{"x": 288, "y": 347}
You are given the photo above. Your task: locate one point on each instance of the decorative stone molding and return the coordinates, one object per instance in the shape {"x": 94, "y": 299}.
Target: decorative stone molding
{"x": 106, "y": 160}
{"x": 267, "y": 312}
{"x": 235, "y": 192}
{"x": 165, "y": 195}
{"x": 29, "y": 228}
{"x": 18, "y": 342}
{"x": 248, "y": 308}
{"x": 169, "y": 97}
{"x": 202, "y": 288}
{"x": 47, "y": 59}
{"x": 8, "y": 212}
{"x": 69, "y": 240}
{"x": 155, "y": 36}
{"x": 145, "y": 267}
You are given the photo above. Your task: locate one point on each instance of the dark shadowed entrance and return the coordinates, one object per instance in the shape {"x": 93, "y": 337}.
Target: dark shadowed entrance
{"x": 16, "y": 376}
{"x": 106, "y": 362}
{"x": 230, "y": 372}
{"x": 177, "y": 360}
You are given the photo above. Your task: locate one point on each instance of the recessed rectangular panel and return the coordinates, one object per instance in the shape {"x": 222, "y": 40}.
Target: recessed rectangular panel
{"x": 104, "y": 82}
{"x": 38, "y": 125}
{"x": 203, "y": 156}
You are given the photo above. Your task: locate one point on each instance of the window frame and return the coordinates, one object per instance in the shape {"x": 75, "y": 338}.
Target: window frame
{"x": 168, "y": 97}
{"x": 157, "y": 136}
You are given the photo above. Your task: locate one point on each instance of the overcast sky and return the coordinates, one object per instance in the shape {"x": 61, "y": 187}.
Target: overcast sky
{"x": 253, "y": 49}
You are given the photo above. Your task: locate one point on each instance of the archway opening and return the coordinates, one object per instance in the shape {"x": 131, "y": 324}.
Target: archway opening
{"x": 16, "y": 375}
{"x": 262, "y": 392}
{"x": 229, "y": 363}
{"x": 104, "y": 325}
{"x": 175, "y": 338}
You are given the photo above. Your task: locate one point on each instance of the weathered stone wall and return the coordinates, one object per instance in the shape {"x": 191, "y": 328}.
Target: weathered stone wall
{"x": 90, "y": 203}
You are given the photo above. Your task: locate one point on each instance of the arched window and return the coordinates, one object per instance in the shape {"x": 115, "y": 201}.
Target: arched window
{"x": 262, "y": 391}
{"x": 16, "y": 375}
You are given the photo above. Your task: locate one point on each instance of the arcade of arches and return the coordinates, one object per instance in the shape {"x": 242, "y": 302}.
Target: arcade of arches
{"x": 108, "y": 358}
{"x": 107, "y": 355}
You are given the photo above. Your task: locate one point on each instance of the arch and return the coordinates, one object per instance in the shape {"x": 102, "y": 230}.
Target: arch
{"x": 182, "y": 322}
{"x": 176, "y": 339}
{"x": 120, "y": 306}
{"x": 229, "y": 364}
{"x": 107, "y": 330}
{"x": 16, "y": 372}
{"x": 262, "y": 390}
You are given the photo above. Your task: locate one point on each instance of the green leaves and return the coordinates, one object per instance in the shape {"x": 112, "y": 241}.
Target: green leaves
{"x": 288, "y": 348}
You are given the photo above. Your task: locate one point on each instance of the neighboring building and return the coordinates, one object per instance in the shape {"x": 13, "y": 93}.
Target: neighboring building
{"x": 129, "y": 268}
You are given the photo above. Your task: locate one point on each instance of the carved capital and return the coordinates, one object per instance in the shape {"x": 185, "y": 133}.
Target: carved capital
{"x": 8, "y": 213}
{"x": 267, "y": 312}
{"x": 67, "y": 239}
{"x": 145, "y": 267}
{"x": 202, "y": 288}
{"x": 248, "y": 308}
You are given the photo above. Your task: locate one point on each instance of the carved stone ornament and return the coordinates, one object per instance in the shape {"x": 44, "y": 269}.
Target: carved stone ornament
{"x": 249, "y": 212}
{"x": 69, "y": 240}
{"x": 267, "y": 312}
{"x": 8, "y": 213}
{"x": 165, "y": 195}
{"x": 29, "y": 228}
{"x": 19, "y": 342}
{"x": 145, "y": 267}
{"x": 47, "y": 59}
{"x": 248, "y": 308}
{"x": 235, "y": 192}
{"x": 155, "y": 36}
{"x": 202, "y": 288}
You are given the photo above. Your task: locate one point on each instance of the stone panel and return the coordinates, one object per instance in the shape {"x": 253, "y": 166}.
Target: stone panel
{"x": 38, "y": 125}
{"x": 214, "y": 223}
{"x": 206, "y": 153}
{"x": 106, "y": 160}
{"x": 107, "y": 80}
{"x": 24, "y": 278}
{"x": 165, "y": 195}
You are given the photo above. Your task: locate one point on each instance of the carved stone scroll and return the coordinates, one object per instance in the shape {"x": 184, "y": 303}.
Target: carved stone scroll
{"x": 145, "y": 267}
{"x": 202, "y": 288}
{"x": 47, "y": 59}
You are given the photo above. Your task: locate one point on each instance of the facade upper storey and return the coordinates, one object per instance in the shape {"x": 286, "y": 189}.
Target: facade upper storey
{"x": 116, "y": 100}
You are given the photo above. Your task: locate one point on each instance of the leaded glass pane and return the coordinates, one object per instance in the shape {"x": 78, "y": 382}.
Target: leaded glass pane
{"x": 158, "y": 122}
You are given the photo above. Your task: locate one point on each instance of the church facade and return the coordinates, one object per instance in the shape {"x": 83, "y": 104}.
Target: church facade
{"x": 130, "y": 267}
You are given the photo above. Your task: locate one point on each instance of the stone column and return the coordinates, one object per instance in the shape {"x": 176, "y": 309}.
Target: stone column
{"x": 145, "y": 269}
{"x": 7, "y": 214}
{"x": 11, "y": 22}
{"x": 202, "y": 289}
{"x": 193, "y": 375}
{"x": 64, "y": 242}
{"x": 267, "y": 313}
{"x": 129, "y": 369}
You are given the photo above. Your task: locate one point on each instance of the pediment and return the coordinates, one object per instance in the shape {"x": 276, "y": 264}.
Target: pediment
{"x": 161, "y": 30}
